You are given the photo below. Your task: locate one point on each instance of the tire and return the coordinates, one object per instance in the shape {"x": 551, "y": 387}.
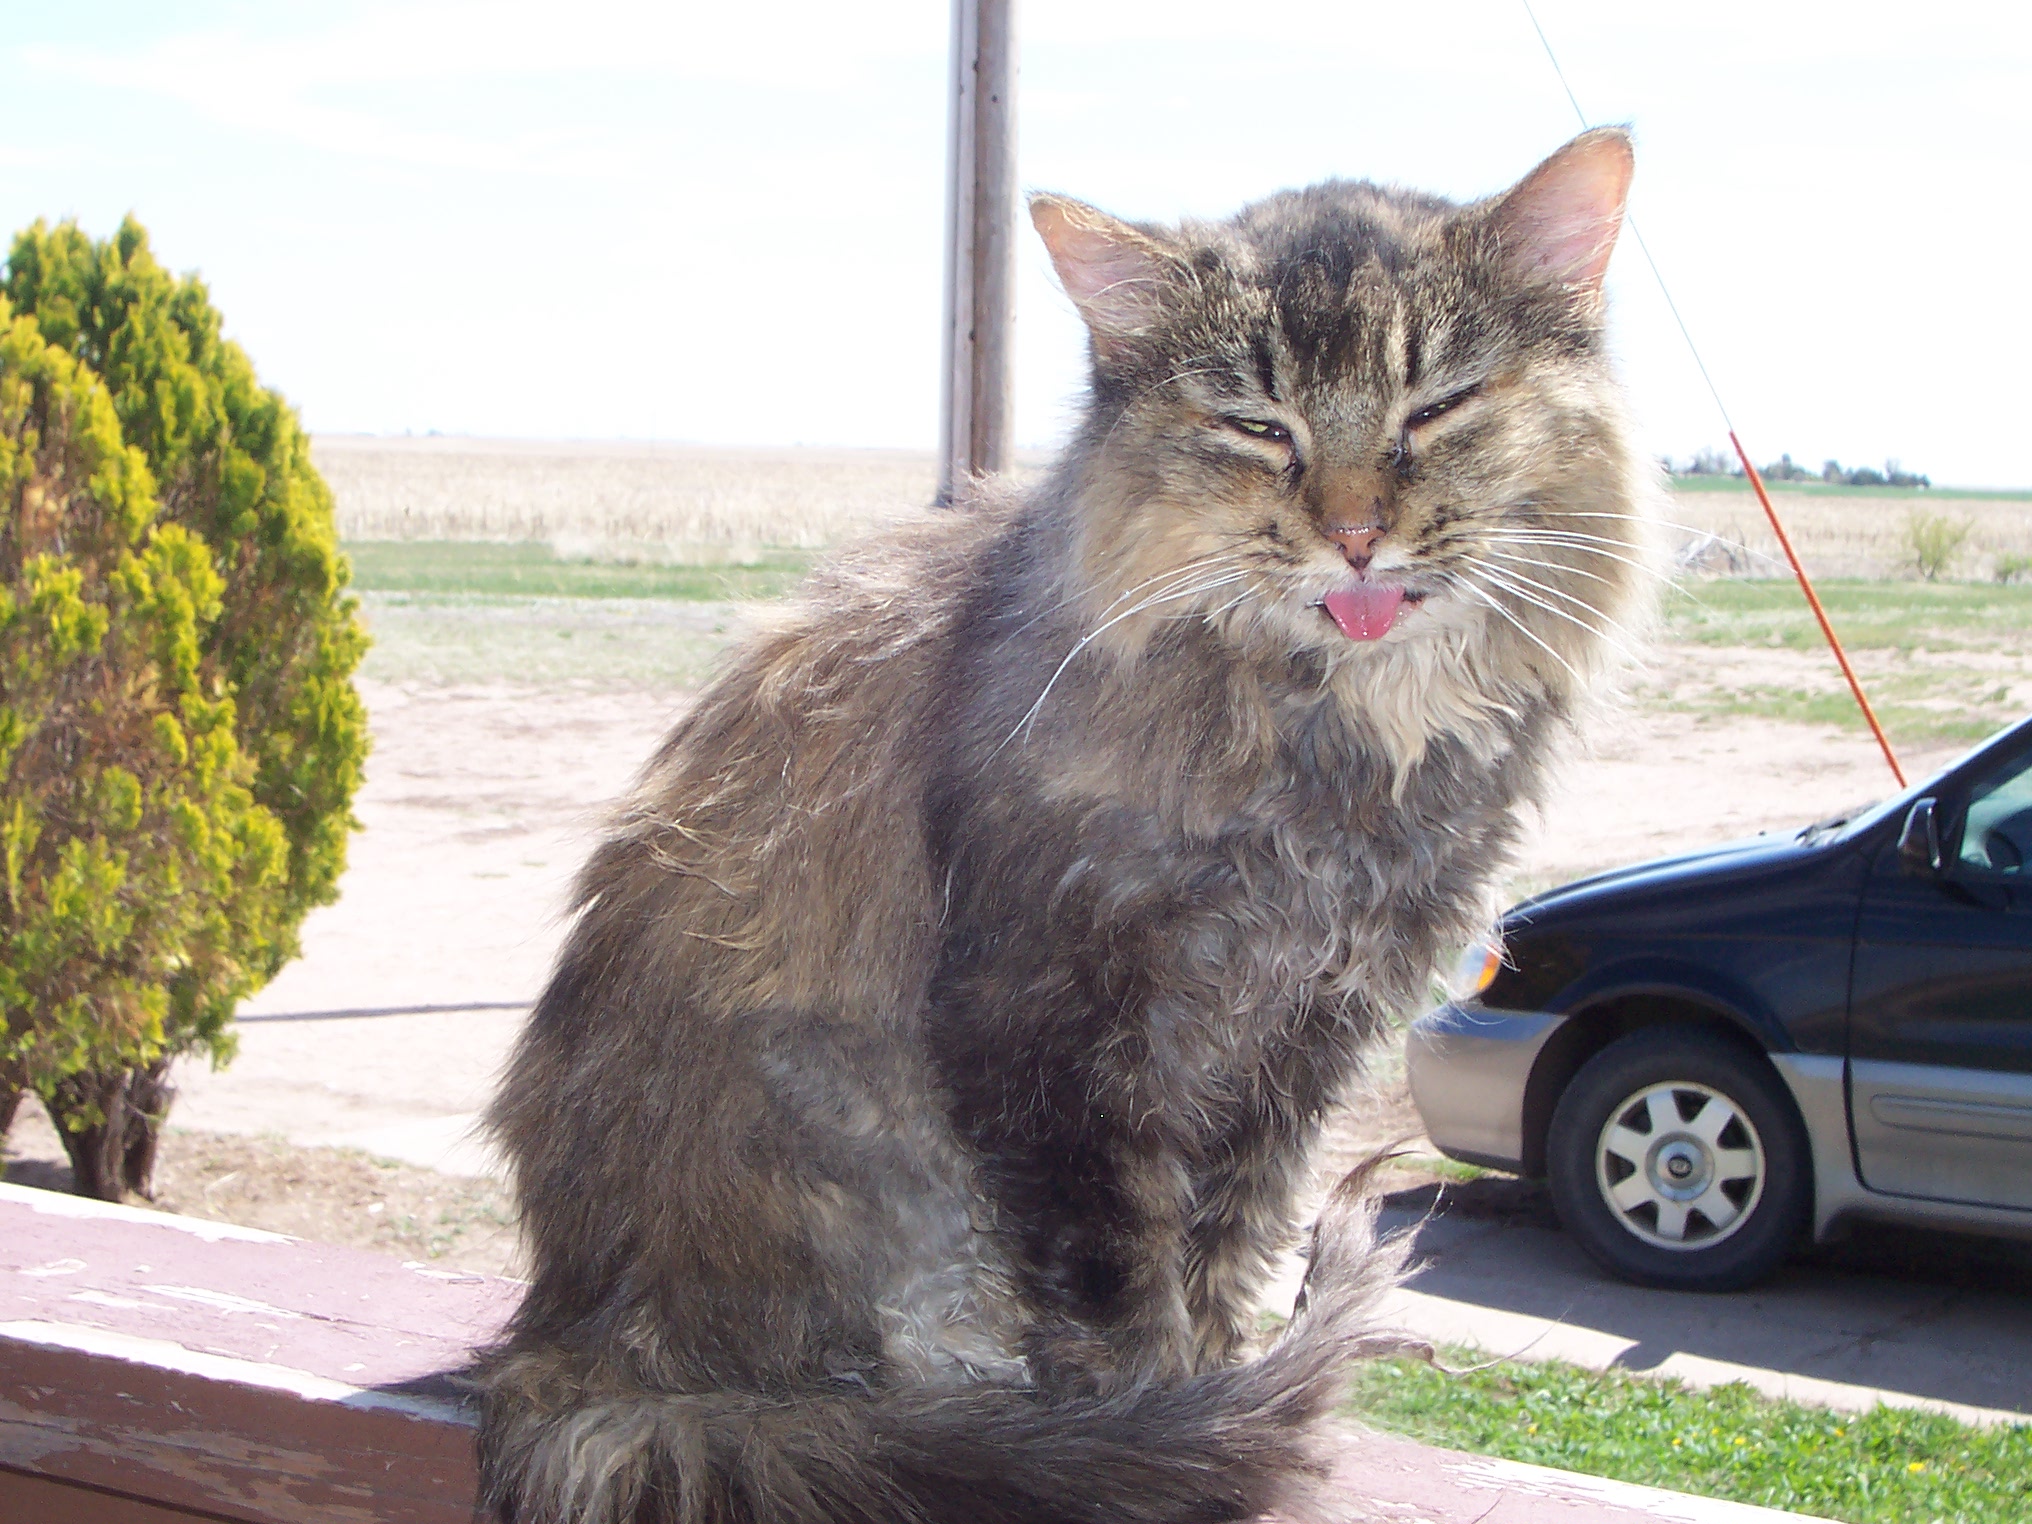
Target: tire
{"x": 1676, "y": 1159}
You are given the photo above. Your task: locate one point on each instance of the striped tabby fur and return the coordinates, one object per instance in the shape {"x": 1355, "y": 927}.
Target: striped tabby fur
{"x": 933, "y": 1070}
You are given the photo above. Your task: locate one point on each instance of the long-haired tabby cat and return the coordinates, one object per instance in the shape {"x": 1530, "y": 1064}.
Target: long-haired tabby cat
{"x": 930, "y": 1076}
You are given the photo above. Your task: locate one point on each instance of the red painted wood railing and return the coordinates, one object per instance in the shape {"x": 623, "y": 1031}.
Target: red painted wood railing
{"x": 159, "y": 1370}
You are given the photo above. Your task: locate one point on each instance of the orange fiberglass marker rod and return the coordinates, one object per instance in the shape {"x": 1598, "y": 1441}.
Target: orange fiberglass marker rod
{"x": 1756, "y": 481}
{"x": 1813, "y": 599}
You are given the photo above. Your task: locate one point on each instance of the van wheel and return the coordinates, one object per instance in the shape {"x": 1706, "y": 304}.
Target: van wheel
{"x": 1677, "y": 1159}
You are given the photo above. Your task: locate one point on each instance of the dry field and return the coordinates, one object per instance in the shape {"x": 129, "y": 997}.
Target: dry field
{"x": 620, "y": 500}
{"x": 679, "y": 503}
{"x": 1851, "y": 534}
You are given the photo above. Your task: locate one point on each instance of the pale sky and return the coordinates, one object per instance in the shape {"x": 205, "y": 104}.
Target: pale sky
{"x": 721, "y": 223}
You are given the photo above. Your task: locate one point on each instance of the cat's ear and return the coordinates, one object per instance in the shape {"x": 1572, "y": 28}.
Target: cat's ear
{"x": 1561, "y": 220}
{"x": 1114, "y": 274}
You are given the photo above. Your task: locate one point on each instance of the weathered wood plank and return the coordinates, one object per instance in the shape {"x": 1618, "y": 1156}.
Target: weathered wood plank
{"x": 228, "y": 1437}
{"x": 25, "y": 1498}
{"x": 361, "y": 1319}
{"x": 231, "y": 1373}
{"x": 158, "y": 1369}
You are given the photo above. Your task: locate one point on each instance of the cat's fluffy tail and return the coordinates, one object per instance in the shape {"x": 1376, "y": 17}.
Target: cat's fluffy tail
{"x": 1225, "y": 1445}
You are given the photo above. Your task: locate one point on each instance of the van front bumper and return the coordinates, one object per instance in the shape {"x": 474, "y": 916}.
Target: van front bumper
{"x": 1468, "y": 1066}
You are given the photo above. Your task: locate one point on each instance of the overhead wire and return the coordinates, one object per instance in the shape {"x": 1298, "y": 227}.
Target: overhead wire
{"x": 1750, "y": 471}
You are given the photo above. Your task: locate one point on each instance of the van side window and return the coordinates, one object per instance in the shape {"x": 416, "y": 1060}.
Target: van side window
{"x": 1997, "y": 837}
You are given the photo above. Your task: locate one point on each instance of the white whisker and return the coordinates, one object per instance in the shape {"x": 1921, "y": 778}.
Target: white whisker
{"x": 1645, "y": 518}
{"x": 1181, "y": 375}
{"x": 1548, "y": 517}
{"x": 1547, "y": 587}
{"x": 1476, "y": 546}
{"x": 1500, "y": 582}
{"x": 1684, "y": 590}
{"x": 1546, "y": 532}
{"x": 1551, "y": 540}
{"x": 1557, "y": 566}
{"x": 1521, "y": 627}
{"x": 1512, "y": 583}
{"x": 1548, "y": 513}
{"x": 1203, "y": 563}
{"x": 1086, "y": 640}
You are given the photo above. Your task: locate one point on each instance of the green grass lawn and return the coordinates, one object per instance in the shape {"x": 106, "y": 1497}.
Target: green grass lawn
{"x": 1782, "y": 490}
{"x": 462, "y": 639}
{"x": 1903, "y": 616}
{"x": 1888, "y": 1466}
{"x": 1917, "y": 710}
{"x": 465, "y": 611}
{"x": 476, "y": 612}
{"x": 532, "y": 570}
{"x": 1941, "y": 661}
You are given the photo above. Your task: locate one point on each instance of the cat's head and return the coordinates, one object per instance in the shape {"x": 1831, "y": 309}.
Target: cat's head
{"x": 1367, "y": 424}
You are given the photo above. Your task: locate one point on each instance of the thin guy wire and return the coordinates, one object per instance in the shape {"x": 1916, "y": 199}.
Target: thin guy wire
{"x": 1635, "y": 231}
{"x": 1755, "y": 478}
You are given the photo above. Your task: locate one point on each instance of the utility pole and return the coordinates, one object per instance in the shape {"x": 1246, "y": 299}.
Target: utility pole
{"x": 976, "y": 398}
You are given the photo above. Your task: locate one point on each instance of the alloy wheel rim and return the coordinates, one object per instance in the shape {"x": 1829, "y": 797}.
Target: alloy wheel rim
{"x": 1680, "y": 1165}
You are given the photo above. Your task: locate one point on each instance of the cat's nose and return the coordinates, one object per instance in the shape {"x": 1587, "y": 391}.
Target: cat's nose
{"x": 1358, "y": 542}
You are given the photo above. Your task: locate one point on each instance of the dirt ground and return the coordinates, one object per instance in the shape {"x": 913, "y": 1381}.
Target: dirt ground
{"x": 350, "y": 1113}
{"x": 331, "y": 1195}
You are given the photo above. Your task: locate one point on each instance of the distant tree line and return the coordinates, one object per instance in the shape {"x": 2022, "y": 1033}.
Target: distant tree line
{"x": 1785, "y": 469}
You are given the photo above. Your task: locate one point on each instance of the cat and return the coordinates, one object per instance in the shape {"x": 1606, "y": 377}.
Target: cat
{"x": 931, "y": 1075}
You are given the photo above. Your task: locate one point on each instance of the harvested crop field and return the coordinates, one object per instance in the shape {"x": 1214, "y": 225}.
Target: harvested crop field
{"x": 692, "y": 504}
{"x": 679, "y": 502}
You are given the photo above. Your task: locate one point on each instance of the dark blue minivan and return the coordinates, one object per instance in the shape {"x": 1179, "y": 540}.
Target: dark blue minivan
{"x": 1711, "y": 1057}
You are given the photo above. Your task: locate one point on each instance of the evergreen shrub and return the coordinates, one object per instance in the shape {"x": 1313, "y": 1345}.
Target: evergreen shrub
{"x": 180, "y": 738}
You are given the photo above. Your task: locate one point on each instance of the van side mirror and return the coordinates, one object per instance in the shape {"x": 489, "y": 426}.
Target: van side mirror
{"x": 1919, "y": 842}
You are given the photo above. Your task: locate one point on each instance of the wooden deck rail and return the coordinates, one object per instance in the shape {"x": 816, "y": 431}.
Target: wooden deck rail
{"x": 158, "y": 1369}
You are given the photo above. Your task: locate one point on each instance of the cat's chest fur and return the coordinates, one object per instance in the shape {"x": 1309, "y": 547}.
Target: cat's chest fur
{"x": 1174, "y": 910}
{"x": 1196, "y": 838}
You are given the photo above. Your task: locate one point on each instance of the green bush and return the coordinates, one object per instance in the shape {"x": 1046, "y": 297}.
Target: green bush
{"x": 1934, "y": 541}
{"x": 160, "y": 883}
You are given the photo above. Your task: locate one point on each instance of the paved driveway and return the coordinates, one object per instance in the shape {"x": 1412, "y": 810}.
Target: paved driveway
{"x": 1923, "y": 1319}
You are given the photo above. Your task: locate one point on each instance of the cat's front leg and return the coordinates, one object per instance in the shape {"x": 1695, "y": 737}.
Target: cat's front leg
{"x": 1099, "y": 1241}
{"x": 1094, "y": 1223}
{"x": 1150, "y": 1332}
{"x": 1242, "y": 1219}
{"x": 1076, "y": 1065}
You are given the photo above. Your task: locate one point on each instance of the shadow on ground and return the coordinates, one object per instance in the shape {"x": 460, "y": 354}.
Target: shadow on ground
{"x": 42, "y": 1174}
{"x": 1940, "y": 1315}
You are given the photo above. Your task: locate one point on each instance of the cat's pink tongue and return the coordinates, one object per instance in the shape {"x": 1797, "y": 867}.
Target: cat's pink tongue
{"x": 1364, "y": 611}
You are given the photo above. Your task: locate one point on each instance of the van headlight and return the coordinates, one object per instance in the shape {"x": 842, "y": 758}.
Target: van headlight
{"x": 1477, "y": 968}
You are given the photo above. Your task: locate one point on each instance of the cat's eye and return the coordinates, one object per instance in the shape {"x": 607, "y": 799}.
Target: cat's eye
{"x": 1260, "y": 428}
{"x": 1441, "y": 408}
